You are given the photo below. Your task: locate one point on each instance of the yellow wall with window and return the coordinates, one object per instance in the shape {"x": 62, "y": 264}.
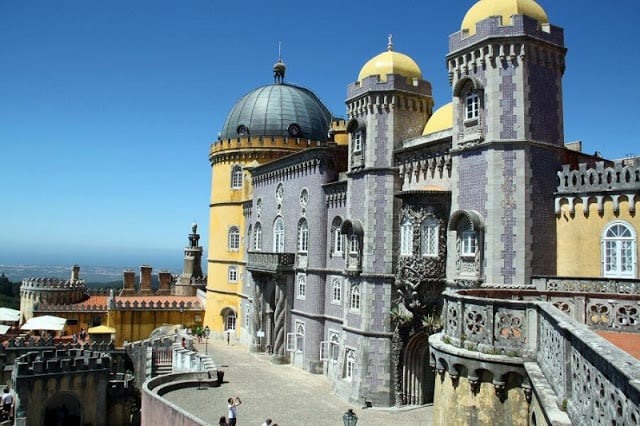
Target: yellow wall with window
{"x": 580, "y": 236}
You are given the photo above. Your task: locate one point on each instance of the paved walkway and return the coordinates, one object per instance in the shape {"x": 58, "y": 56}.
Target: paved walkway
{"x": 288, "y": 395}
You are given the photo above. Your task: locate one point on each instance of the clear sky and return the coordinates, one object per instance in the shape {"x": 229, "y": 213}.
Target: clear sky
{"x": 108, "y": 108}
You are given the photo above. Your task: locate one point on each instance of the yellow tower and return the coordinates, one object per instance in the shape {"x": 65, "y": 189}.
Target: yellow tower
{"x": 267, "y": 123}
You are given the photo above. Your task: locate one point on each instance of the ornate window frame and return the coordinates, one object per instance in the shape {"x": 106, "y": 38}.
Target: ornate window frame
{"x": 355, "y": 298}
{"x": 301, "y": 286}
{"x": 233, "y": 239}
{"x": 232, "y": 274}
{"x": 278, "y": 235}
{"x": 303, "y": 236}
{"x": 619, "y": 242}
{"x": 429, "y": 237}
{"x": 406, "y": 236}
{"x": 336, "y": 290}
{"x": 257, "y": 237}
{"x": 337, "y": 239}
{"x": 236, "y": 177}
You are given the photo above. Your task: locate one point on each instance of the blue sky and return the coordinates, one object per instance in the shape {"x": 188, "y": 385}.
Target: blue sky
{"x": 107, "y": 109}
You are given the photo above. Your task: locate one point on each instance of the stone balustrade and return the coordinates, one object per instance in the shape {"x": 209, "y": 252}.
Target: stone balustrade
{"x": 588, "y": 285}
{"x": 548, "y": 338}
{"x": 147, "y": 305}
{"x": 599, "y": 178}
{"x": 270, "y": 262}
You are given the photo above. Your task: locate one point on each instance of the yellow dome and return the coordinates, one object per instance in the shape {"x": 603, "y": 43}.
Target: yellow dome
{"x": 441, "y": 119}
{"x": 390, "y": 62}
{"x": 504, "y": 8}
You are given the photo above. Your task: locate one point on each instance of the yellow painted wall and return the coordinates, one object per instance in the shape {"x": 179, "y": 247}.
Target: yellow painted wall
{"x": 579, "y": 236}
{"x": 137, "y": 325}
{"x": 459, "y": 406}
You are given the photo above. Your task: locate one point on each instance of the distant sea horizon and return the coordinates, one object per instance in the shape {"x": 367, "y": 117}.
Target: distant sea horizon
{"x": 95, "y": 265}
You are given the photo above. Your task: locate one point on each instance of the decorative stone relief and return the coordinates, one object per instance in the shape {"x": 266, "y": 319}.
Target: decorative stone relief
{"x": 598, "y": 314}
{"x": 509, "y": 327}
{"x": 475, "y": 323}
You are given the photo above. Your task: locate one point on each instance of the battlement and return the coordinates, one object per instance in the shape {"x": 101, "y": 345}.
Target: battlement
{"x": 261, "y": 143}
{"x": 600, "y": 178}
{"x": 44, "y": 284}
{"x": 145, "y": 305}
{"x": 59, "y": 361}
{"x": 52, "y": 307}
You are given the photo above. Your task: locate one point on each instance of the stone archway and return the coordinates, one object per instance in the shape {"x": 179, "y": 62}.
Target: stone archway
{"x": 63, "y": 409}
{"x": 418, "y": 379}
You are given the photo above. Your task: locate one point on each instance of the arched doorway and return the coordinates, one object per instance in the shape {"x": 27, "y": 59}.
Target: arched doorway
{"x": 63, "y": 409}
{"x": 418, "y": 379}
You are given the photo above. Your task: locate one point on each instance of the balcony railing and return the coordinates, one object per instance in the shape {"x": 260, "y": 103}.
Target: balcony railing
{"x": 259, "y": 261}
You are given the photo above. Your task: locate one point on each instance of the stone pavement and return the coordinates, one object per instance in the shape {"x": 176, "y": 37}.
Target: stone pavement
{"x": 288, "y": 395}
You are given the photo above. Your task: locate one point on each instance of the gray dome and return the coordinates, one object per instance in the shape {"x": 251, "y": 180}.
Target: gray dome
{"x": 278, "y": 110}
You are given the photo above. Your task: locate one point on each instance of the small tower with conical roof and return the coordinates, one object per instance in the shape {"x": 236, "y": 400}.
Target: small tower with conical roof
{"x": 505, "y": 65}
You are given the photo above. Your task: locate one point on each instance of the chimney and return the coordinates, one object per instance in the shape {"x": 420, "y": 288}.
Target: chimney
{"x": 75, "y": 273}
{"x": 129, "y": 283}
{"x": 145, "y": 279}
{"x": 164, "y": 283}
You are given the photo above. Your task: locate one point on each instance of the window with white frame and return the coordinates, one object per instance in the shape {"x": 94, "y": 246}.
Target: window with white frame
{"x": 468, "y": 240}
{"x": 336, "y": 290}
{"x": 406, "y": 237}
{"x": 233, "y": 239}
{"x": 619, "y": 247}
{"x": 350, "y": 364}
{"x": 337, "y": 239}
{"x": 429, "y": 237}
{"x": 472, "y": 105}
{"x": 303, "y": 236}
{"x": 334, "y": 349}
{"x": 230, "y": 321}
{"x": 354, "y": 245}
{"x": 354, "y": 301}
{"x": 278, "y": 235}
{"x": 233, "y": 274}
{"x": 302, "y": 286}
{"x": 257, "y": 237}
{"x": 356, "y": 140}
{"x": 236, "y": 177}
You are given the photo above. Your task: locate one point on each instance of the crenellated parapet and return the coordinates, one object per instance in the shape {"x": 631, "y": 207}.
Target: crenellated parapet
{"x": 257, "y": 147}
{"x": 597, "y": 185}
{"x": 122, "y": 303}
{"x": 53, "y": 307}
{"x": 65, "y": 361}
{"x": 51, "y": 284}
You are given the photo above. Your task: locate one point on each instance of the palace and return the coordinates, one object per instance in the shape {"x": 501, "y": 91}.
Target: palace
{"x": 408, "y": 242}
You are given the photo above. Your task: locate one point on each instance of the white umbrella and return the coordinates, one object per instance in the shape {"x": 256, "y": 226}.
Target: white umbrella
{"x": 9, "y": 315}
{"x": 4, "y": 328}
{"x": 45, "y": 322}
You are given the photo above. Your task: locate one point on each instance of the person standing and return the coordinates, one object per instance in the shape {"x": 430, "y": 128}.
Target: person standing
{"x": 7, "y": 403}
{"x": 232, "y": 404}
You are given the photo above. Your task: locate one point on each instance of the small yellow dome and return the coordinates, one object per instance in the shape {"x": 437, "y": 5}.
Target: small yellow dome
{"x": 504, "y": 8}
{"x": 390, "y": 62}
{"x": 441, "y": 119}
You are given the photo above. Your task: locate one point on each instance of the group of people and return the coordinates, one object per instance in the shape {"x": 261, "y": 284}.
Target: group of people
{"x": 202, "y": 332}
{"x": 232, "y": 415}
{"x": 83, "y": 336}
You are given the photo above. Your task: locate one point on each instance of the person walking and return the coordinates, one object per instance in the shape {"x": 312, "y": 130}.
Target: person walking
{"x": 223, "y": 421}
{"x": 232, "y": 404}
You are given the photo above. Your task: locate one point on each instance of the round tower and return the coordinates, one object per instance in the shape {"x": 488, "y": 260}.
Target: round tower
{"x": 51, "y": 291}
{"x": 265, "y": 124}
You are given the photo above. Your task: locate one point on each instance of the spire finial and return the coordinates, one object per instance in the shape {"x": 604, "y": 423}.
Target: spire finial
{"x": 390, "y": 43}
{"x": 279, "y": 67}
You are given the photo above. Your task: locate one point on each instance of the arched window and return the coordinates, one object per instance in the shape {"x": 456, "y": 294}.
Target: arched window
{"x": 229, "y": 320}
{"x": 354, "y": 304}
{"x": 468, "y": 240}
{"x": 334, "y": 338}
{"x": 302, "y": 286}
{"x": 354, "y": 244}
{"x": 619, "y": 247}
{"x": 336, "y": 290}
{"x": 472, "y": 105}
{"x": 233, "y": 240}
{"x": 299, "y": 336}
{"x": 429, "y": 237}
{"x": 257, "y": 237}
{"x": 337, "y": 239}
{"x": 236, "y": 177}
{"x": 406, "y": 237}
{"x": 278, "y": 235}
{"x": 303, "y": 236}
